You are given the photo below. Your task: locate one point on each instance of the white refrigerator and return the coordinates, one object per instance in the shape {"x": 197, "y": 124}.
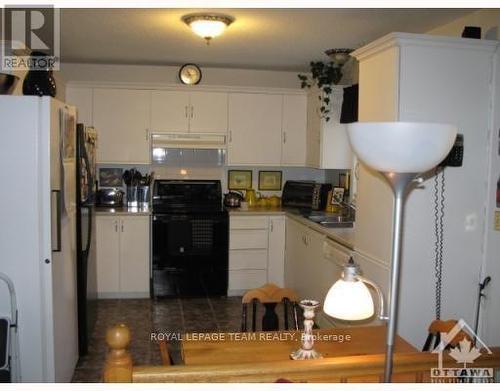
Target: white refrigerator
{"x": 37, "y": 234}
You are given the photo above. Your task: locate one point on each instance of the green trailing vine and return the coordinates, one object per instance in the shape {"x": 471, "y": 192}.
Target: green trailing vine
{"x": 323, "y": 76}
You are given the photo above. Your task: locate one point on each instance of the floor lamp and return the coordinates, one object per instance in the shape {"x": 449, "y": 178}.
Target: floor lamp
{"x": 400, "y": 151}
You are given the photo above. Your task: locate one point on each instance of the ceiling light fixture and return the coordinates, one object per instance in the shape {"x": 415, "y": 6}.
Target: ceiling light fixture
{"x": 339, "y": 56}
{"x": 207, "y": 26}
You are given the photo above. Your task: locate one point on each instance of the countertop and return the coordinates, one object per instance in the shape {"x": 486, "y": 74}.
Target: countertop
{"x": 343, "y": 236}
{"x": 120, "y": 211}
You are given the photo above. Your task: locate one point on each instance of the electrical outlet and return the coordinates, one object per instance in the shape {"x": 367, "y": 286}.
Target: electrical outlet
{"x": 497, "y": 220}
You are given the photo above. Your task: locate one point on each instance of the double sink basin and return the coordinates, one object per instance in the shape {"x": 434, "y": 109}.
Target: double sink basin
{"x": 331, "y": 220}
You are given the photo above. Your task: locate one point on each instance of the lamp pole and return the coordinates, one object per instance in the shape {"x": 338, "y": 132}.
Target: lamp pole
{"x": 399, "y": 183}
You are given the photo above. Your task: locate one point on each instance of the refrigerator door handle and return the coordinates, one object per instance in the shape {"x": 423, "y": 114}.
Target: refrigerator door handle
{"x": 89, "y": 231}
{"x": 56, "y": 206}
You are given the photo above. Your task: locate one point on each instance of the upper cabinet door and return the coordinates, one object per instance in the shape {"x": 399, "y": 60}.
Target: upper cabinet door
{"x": 208, "y": 112}
{"x": 170, "y": 111}
{"x": 81, "y": 97}
{"x": 294, "y": 130}
{"x": 255, "y": 129}
{"x": 121, "y": 118}
{"x": 314, "y": 122}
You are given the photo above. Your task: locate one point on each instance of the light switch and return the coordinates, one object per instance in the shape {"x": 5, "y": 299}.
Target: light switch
{"x": 497, "y": 220}
{"x": 471, "y": 222}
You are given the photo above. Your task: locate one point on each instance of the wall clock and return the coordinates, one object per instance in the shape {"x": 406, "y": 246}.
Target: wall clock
{"x": 190, "y": 74}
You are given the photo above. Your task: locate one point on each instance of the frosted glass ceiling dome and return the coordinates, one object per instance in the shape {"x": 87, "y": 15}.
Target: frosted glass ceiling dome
{"x": 401, "y": 147}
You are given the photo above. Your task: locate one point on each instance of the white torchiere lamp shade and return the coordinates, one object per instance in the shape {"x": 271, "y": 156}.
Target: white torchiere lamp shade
{"x": 401, "y": 147}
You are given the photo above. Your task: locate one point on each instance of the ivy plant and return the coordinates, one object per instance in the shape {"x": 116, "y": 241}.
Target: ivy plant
{"x": 324, "y": 76}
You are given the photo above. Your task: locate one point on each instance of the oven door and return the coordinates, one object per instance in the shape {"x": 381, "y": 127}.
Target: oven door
{"x": 190, "y": 254}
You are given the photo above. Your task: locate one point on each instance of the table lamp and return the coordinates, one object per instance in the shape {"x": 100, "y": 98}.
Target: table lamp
{"x": 400, "y": 151}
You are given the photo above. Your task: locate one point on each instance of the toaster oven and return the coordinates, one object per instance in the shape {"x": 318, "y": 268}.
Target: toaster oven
{"x": 305, "y": 194}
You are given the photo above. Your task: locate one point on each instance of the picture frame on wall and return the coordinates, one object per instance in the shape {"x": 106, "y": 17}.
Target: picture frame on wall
{"x": 110, "y": 177}
{"x": 270, "y": 180}
{"x": 239, "y": 179}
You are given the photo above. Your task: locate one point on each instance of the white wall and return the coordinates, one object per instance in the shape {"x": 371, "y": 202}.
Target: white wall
{"x": 487, "y": 19}
{"x": 169, "y": 75}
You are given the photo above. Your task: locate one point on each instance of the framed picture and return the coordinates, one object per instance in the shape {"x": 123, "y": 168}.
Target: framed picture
{"x": 338, "y": 195}
{"x": 270, "y": 180}
{"x": 239, "y": 179}
{"x": 110, "y": 177}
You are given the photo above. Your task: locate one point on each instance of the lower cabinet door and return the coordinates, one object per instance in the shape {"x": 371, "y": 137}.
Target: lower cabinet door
{"x": 107, "y": 256}
{"x": 241, "y": 280}
{"x": 134, "y": 255}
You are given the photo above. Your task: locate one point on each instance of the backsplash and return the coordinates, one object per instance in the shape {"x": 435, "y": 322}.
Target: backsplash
{"x": 221, "y": 173}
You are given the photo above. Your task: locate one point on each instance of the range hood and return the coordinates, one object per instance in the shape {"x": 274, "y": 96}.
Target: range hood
{"x": 188, "y": 141}
{"x": 188, "y": 149}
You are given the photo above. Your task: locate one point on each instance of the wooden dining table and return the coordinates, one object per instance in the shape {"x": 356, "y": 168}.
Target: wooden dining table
{"x": 232, "y": 348}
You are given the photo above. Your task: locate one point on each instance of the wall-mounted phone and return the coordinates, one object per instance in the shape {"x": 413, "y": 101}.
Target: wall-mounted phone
{"x": 456, "y": 155}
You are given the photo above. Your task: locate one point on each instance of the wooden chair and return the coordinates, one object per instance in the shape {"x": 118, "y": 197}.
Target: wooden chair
{"x": 269, "y": 295}
{"x": 443, "y": 326}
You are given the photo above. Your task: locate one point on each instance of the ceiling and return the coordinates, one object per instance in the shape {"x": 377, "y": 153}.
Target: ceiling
{"x": 280, "y": 39}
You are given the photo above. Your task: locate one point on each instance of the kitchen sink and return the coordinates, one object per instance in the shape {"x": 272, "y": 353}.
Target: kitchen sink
{"x": 329, "y": 220}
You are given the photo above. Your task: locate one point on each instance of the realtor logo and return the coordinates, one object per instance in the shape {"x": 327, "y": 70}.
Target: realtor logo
{"x": 30, "y": 29}
{"x": 465, "y": 353}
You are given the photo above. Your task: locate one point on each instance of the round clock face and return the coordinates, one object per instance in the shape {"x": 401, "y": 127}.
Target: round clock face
{"x": 190, "y": 74}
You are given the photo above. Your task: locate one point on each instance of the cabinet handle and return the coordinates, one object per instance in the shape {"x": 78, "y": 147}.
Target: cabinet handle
{"x": 147, "y": 135}
{"x": 116, "y": 226}
{"x": 122, "y": 226}
{"x": 192, "y": 111}
{"x": 284, "y": 137}
{"x": 186, "y": 111}
{"x": 230, "y": 136}
{"x": 271, "y": 226}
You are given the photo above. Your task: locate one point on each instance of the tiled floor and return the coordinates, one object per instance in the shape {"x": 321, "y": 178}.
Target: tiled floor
{"x": 144, "y": 316}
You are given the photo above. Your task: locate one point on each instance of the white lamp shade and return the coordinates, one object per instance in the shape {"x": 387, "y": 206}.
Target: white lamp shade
{"x": 349, "y": 300}
{"x": 401, "y": 147}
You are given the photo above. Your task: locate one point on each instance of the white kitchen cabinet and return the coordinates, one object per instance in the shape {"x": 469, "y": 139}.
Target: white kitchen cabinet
{"x": 313, "y": 135}
{"x": 276, "y": 250}
{"x": 108, "y": 255}
{"x": 183, "y": 112}
{"x": 170, "y": 111}
{"x": 122, "y": 253}
{"x": 121, "y": 117}
{"x": 254, "y": 129}
{"x": 294, "y": 130}
{"x": 208, "y": 112}
{"x": 327, "y": 143}
{"x": 81, "y": 97}
{"x": 134, "y": 254}
{"x": 256, "y": 252}
{"x": 304, "y": 253}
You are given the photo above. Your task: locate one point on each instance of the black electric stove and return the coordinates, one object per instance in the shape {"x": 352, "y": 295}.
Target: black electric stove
{"x": 190, "y": 240}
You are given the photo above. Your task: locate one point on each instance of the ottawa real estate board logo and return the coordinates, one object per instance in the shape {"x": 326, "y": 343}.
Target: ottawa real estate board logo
{"x": 465, "y": 352}
{"x": 30, "y": 38}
